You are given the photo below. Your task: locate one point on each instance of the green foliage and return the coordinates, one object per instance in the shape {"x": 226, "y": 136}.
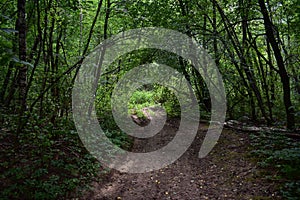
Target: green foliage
{"x": 142, "y": 97}
{"x": 119, "y": 138}
{"x": 139, "y": 100}
{"x": 45, "y": 161}
{"x": 277, "y": 152}
{"x": 170, "y": 102}
{"x": 148, "y": 96}
{"x": 156, "y": 97}
{"x": 291, "y": 190}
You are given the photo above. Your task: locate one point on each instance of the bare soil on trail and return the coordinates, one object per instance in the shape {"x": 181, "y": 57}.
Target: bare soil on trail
{"x": 228, "y": 172}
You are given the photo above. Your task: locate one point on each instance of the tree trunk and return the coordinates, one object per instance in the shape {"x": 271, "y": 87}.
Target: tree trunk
{"x": 290, "y": 117}
{"x": 22, "y": 78}
{"x": 233, "y": 37}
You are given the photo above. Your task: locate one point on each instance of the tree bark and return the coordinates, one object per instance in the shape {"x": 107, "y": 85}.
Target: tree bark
{"x": 22, "y": 78}
{"x": 243, "y": 64}
{"x": 289, "y": 109}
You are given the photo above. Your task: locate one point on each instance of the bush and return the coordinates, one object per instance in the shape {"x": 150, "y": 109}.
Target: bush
{"x": 278, "y": 152}
{"x": 44, "y": 162}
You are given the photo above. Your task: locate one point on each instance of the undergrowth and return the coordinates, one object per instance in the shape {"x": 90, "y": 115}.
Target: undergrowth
{"x": 140, "y": 100}
{"x": 279, "y": 155}
{"x": 46, "y": 161}
{"x": 158, "y": 96}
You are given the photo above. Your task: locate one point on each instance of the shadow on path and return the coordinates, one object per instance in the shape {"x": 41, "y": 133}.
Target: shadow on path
{"x": 226, "y": 173}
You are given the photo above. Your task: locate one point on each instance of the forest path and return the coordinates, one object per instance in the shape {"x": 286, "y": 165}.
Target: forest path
{"x": 226, "y": 173}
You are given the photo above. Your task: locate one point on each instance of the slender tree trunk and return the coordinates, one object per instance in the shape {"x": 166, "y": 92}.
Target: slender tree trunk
{"x": 107, "y": 13}
{"x": 38, "y": 44}
{"x": 6, "y": 82}
{"x": 269, "y": 27}
{"x": 238, "y": 49}
{"x": 215, "y": 42}
{"x": 46, "y": 55}
{"x": 89, "y": 37}
{"x": 81, "y": 27}
{"x": 5, "y": 88}
{"x": 22, "y": 76}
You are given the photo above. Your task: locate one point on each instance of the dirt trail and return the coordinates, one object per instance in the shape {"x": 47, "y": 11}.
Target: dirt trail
{"x": 226, "y": 173}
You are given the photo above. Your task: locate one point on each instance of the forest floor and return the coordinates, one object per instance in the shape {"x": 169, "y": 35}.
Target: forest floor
{"x": 228, "y": 172}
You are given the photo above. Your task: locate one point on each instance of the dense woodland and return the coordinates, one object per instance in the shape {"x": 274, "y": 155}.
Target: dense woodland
{"x": 255, "y": 45}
